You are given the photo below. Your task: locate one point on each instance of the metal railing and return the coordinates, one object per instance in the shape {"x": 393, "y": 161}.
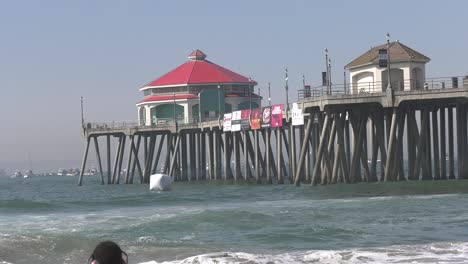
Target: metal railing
{"x": 111, "y": 125}
{"x": 381, "y": 87}
{"x": 159, "y": 123}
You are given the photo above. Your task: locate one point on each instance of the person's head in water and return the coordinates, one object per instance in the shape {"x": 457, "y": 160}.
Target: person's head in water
{"x": 108, "y": 252}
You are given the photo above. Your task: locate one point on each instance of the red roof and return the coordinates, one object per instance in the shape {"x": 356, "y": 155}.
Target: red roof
{"x": 197, "y": 70}
{"x": 168, "y": 97}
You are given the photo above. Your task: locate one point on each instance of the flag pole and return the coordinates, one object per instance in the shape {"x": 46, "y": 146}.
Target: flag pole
{"x": 327, "y": 82}
{"x": 269, "y": 95}
{"x": 287, "y": 94}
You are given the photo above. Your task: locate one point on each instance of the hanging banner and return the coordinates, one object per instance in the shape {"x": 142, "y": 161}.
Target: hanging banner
{"x": 255, "y": 119}
{"x": 307, "y": 91}
{"x": 245, "y": 119}
{"x": 266, "y": 117}
{"x": 324, "y": 79}
{"x": 236, "y": 121}
{"x": 383, "y": 58}
{"x": 227, "y": 122}
{"x": 297, "y": 117}
{"x": 277, "y": 116}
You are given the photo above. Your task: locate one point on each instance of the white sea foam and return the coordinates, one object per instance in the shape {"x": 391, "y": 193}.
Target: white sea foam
{"x": 446, "y": 252}
{"x": 432, "y": 196}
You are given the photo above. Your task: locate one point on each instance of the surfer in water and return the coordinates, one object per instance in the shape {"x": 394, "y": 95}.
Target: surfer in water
{"x": 108, "y": 252}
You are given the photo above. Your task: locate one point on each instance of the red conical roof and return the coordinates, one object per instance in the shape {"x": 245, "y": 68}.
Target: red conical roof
{"x": 198, "y": 70}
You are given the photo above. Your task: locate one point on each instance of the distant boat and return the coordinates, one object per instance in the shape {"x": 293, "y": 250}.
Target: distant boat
{"x": 17, "y": 174}
{"x": 61, "y": 172}
{"x": 90, "y": 172}
{"x": 73, "y": 172}
{"x": 28, "y": 174}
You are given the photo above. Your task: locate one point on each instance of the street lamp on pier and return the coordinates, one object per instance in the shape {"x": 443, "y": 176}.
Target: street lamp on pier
{"x": 269, "y": 95}
{"x": 259, "y": 99}
{"x": 250, "y": 95}
{"x": 219, "y": 103}
{"x": 389, "y": 85}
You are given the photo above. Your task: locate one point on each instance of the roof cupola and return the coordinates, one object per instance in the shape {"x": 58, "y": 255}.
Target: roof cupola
{"x": 197, "y": 55}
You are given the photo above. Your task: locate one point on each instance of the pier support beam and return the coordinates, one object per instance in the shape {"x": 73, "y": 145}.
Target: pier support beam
{"x": 109, "y": 171}
{"x": 443, "y": 152}
{"x": 302, "y": 155}
{"x": 321, "y": 149}
{"x": 267, "y": 155}
{"x": 450, "y": 144}
{"x": 98, "y": 156}
{"x": 83, "y": 164}
{"x": 391, "y": 155}
{"x": 279, "y": 155}
{"x": 129, "y": 161}
{"x": 435, "y": 145}
{"x": 256, "y": 156}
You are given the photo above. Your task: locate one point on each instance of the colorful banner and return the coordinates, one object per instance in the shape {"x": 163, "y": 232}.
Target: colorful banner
{"x": 255, "y": 117}
{"x": 266, "y": 117}
{"x": 236, "y": 121}
{"x": 227, "y": 122}
{"x": 277, "y": 116}
{"x": 245, "y": 119}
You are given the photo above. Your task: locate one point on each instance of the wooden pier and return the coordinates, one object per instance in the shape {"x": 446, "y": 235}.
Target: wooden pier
{"x": 365, "y": 137}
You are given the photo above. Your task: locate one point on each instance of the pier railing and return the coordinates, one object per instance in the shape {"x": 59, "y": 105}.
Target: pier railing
{"x": 159, "y": 123}
{"x": 379, "y": 87}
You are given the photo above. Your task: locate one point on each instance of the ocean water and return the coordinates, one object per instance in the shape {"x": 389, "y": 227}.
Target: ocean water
{"x": 51, "y": 220}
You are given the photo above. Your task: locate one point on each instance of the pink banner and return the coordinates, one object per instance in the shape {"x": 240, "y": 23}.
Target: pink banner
{"x": 277, "y": 115}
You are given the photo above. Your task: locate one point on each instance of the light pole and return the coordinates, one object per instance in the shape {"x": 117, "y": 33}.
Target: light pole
{"x": 174, "y": 104}
{"x": 82, "y": 117}
{"x": 259, "y": 99}
{"x": 326, "y": 70}
{"x": 287, "y": 96}
{"x": 344, "y": 79}
{"x": 389, "y": 85}
{"x": 250, "y": 96}
{"x": 82, "y": 113}
{"x": 269, "y": 95}
{"x": 329, "y": 78}
{"x": 219, "y": 103}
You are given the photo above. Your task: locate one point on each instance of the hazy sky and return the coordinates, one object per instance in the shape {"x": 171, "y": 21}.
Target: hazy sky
{"x": 53, "y": 52}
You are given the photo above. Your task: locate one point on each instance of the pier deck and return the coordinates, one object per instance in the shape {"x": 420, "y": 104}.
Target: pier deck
{"x": 379, "y": 136}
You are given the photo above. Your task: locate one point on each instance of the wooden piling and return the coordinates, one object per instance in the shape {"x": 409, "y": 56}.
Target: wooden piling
{"x": 443, "y": 152}
{"x": 121, "y": 155}
{"x": 98, "y": 156}
{"x": 279, "y": 156}
{"x": 109, "y": 171}
{"x": 83, "y": 164}
{"x": 450, "y": 137}
{"x": 267, "y": 155}
{"x": 435, "y": 145}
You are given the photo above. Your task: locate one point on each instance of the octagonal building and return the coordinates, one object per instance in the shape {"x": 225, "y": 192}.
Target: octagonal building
{"x": 198, "y": 90}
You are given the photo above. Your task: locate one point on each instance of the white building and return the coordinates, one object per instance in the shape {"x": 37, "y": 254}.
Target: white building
{"x": 407, "y": 70}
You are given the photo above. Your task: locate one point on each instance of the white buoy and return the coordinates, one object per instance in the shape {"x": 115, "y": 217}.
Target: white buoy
{"x": 160, "y": 182}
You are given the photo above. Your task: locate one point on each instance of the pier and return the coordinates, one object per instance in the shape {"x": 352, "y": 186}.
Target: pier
{"x": 391, "y": 135}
